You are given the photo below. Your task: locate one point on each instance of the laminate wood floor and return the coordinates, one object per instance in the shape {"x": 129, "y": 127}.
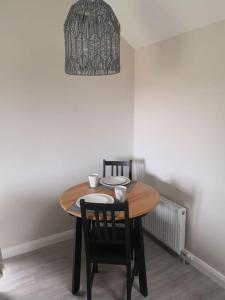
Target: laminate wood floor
{"x": 45, "y": 274}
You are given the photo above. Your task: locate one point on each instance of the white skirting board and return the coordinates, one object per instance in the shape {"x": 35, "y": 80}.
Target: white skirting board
{"x": 37, "y": 244}
{"x": 63, "y": 236}
{"x": 206, "y": 269}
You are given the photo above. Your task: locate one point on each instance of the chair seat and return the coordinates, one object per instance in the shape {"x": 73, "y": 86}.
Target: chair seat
{"x": 108, "y": 252}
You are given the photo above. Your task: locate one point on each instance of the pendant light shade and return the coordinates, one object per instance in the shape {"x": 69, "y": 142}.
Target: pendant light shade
{"x": 92, "y": 39}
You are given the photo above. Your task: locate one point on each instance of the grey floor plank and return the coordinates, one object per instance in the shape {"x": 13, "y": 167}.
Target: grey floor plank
{"x": 46, "y": 274}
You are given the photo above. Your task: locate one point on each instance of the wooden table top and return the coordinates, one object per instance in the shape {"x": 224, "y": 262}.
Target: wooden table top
{"x": 142, "y": 198}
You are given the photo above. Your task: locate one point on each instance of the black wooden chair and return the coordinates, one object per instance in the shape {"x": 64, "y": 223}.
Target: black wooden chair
{"x": 105, "y": 242}
{"x": 119, "y": 166}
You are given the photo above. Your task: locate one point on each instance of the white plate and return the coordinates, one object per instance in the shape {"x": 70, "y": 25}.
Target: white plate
{"x": 114, "y": 180}
{"x": 96, "y": 198}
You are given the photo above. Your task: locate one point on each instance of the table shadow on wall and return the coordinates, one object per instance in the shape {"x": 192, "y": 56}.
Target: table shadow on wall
{"x": 189, "y": 198}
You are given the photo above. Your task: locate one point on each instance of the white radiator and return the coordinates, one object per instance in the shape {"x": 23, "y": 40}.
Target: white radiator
{"x": 167, "y": 223}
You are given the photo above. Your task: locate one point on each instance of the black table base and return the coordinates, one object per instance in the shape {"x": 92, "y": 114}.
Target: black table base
{"x": 77, "y": 256}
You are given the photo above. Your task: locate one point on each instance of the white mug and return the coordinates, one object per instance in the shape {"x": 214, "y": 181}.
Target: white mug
{"x": 120, "y": 193}
{"x": 93, "y": 180}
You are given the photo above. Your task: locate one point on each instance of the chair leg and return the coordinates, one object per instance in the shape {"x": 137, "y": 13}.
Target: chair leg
{"x": 89, "y": 280}
{"x": 95, "y": 268}
{"x": 135, "y": 264}
{"x": 133, "y": 275}
{"x": 140, "y": 254}
{"x": 129, "y": 281}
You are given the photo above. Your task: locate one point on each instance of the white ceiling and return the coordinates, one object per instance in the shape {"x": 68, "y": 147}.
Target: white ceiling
{"x": 145, "y": 22}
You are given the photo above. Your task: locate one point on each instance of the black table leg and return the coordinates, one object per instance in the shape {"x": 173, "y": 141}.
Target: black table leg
{"x": 140, "y": 256}
{"x": 77, "y": 256}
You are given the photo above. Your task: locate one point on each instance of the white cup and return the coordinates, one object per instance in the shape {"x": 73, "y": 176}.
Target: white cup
{"x": 93, "y": 180}
{"x": 120, "y": 193}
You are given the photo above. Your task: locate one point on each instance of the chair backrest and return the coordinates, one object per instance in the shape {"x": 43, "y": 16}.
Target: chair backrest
{"x": 116, "y": 166}
{"x": 100, "y": 226}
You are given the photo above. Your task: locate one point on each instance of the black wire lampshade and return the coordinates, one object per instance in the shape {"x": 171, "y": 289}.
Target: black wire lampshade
{"x": 92, "y": 39}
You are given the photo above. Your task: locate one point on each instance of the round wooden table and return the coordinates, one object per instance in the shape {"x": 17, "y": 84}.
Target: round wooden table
{"x": 142, "y": 198}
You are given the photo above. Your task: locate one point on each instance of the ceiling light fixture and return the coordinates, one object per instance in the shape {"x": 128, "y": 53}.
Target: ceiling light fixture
{"x": 92, "y": 39}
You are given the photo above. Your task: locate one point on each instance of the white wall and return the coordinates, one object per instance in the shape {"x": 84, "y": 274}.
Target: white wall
{"x": 54, "y": 128}
{"x": 179, "y": 131}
